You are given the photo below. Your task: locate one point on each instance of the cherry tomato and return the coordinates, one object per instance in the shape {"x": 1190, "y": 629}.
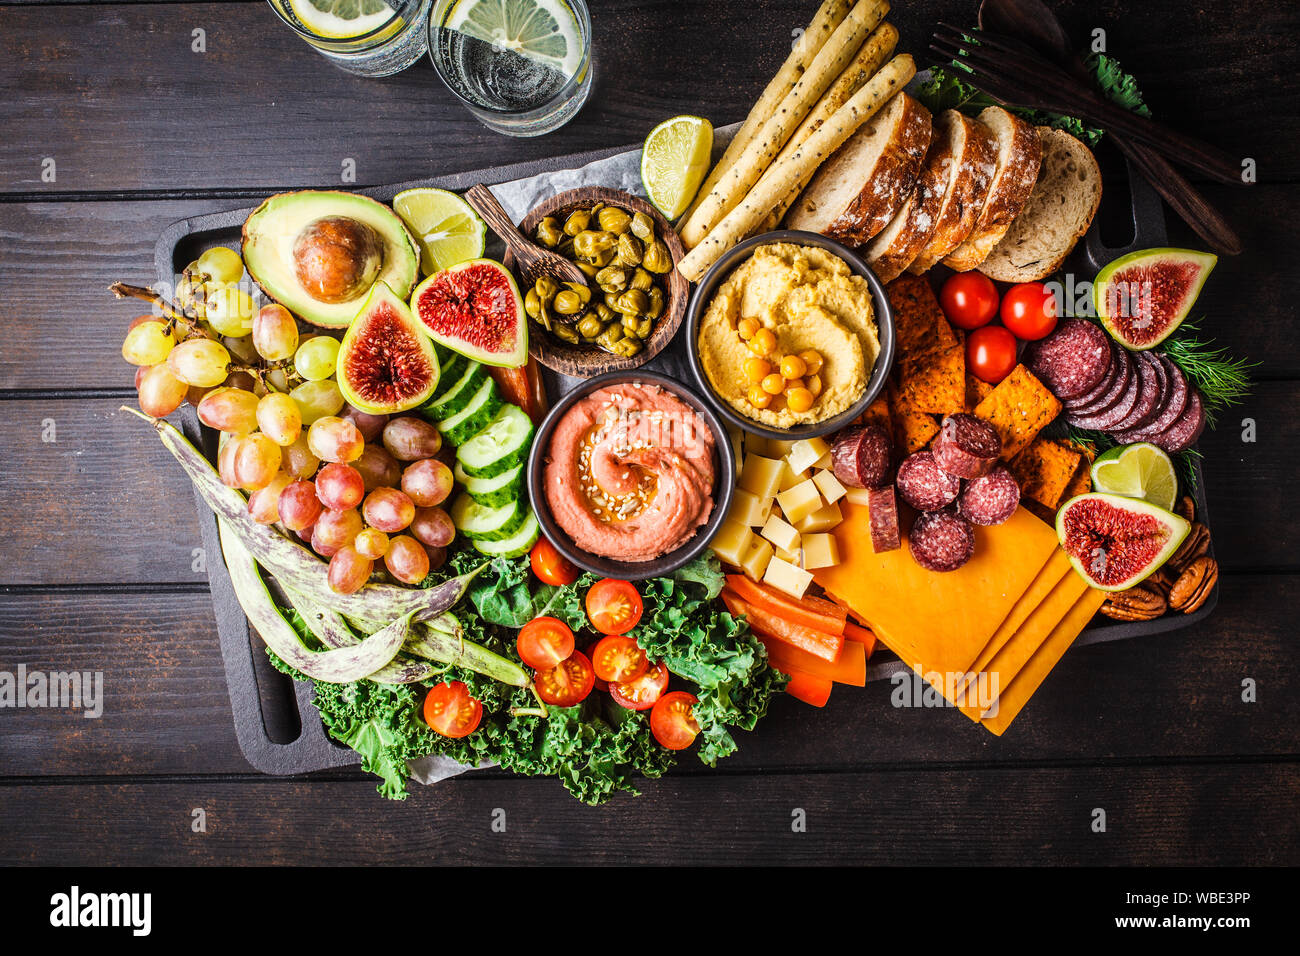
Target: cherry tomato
{"x": 550, "y": 566}
{"x": 567, "y": 683}
{"x": 1029, "y": 310}
{"x": 613, "y": 606}
{"x": 590, "y": 651}
{"x": 641, "y": 693}
{"x": 450, "y": 710}
{"x": 543, "y": 642}
{"x": 969, "y": 300}
{"x": 991, "y": 353}
{"x": 618, "y": 659}
{"x": 672, "y": 720}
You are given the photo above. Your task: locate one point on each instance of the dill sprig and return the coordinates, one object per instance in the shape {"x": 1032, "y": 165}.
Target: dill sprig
{"x": 1221, "y": 379}
{"x": 1099, "y": 443}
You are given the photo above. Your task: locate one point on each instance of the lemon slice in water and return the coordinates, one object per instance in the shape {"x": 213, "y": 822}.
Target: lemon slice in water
{"x": 542, "y": 30}
{"x": 444, "y": 225}
{"x": 341, "y": 19}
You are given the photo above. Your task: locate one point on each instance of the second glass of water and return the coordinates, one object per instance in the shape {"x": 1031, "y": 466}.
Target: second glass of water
{"x": 523, "y": 67}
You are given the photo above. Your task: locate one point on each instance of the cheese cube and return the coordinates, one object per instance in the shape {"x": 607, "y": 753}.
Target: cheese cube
{"x": 805, "y": 453}
{"x": 757, "y": 445}
{"x": 756, "y": 559}
{"x": 780, "y": 533}
{"x": 799, "y": 501}
{"x": 789, "y": 478}
{"x": 737, "y": 445}
{"x": 748, "y": 509}
{"x": 786, "y": 577}
{"x": 732, "y": 542}
{"x": 779, "y": 449}
{"x": 795, "y": 557}
{"x": 823, "y": 462}
{"x": 829, "y": 486}
{"x": 823, "y": 519}
{"x": 760, "y": 476}
{"x": 819, "y": 551}
{"x": 857, "y": 496}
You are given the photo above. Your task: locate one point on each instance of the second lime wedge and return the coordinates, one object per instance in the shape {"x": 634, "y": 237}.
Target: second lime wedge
{"x": 444, "y": 225}
{"x": 674, "y": 160}
{"x": 1141, "y": 471}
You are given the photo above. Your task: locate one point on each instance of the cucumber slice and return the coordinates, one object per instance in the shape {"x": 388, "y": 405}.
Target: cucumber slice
{"x": 500, "y": 446}
{"x": 519, "y": 543}
{"x": 460, "y": 391}
{"x": 452, "y": 367}
{"x": 487, "y": 524}
{"x": 492, "y": 492}
{"x": 472, "y": 419}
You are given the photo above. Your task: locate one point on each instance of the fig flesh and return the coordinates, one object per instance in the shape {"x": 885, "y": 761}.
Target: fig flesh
{"x": 1115, "y": 542}
{"x": 474, "y": 308}
{"x": 386, "y": 363}
{"x": 1141, "y": 298}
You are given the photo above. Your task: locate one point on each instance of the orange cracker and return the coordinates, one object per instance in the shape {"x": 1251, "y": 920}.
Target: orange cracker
{"x": 878, "y": 413}
{"x": 916, "y": 312}
{"x": 1044, "y": 470}
{"x": 976, "y": 390}
{"x": 1019, "y": 408}
{"x": 912, "y": 429}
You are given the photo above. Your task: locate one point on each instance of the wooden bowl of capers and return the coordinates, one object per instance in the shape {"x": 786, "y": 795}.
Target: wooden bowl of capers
{"x": 635, "y": 298}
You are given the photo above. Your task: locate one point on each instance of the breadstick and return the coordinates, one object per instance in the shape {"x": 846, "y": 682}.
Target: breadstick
{"x": 878, "y": 48}
{"x": 830, "y": 61}
{"x": 824, "y": 22}
{"x": 777, "y": 182}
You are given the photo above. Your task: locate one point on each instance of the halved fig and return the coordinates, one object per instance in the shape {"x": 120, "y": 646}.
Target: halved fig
{"x": 1143, "y": 296}
{"x": 1116, "y": 542}
{"x": 386, "y": 363}
{"x": 474, "y": 308}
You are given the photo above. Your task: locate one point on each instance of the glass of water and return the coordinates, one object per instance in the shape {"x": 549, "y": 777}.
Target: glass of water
{"x": 367, "y": 37}
{"x": 523, "y": 67}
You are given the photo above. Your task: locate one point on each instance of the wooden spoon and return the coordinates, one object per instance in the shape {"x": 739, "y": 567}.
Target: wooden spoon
{"x": 531, "y": 260}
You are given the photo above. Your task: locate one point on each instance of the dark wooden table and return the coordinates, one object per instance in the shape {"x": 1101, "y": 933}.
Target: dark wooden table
{"x": 98, "y": 527}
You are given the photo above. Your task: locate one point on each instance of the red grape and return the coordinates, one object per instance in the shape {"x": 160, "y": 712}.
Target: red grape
{"x": 349, "y": 571}
{"x": 378, "y": 468}
{"x": 371, "y": 543}
{"x": 335, "y": 439}
{"x": 370, "y": 426}
{"x": 299, "y": 506}
{"x": 410, "y": 439}
{"x": 407, "y": 560}
{"x": 427, "y": 483}
{"x": 433, "y": 527}
{"x": 340, "y": 486}
{"x": 388, "y": 509}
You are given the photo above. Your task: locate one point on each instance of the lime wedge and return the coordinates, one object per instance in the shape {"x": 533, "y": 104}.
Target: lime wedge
{"x": 542, "y": 30}
{"x": 444, "y": 225}
{"x": 674, "y": 160}
{"x": 342, "y": 19}
{"x": 1141, "y": 471}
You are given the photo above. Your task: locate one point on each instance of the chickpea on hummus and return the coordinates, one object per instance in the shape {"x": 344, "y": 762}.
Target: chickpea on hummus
{"x": 629, "y": 472}
{"x": 790, "y": 337}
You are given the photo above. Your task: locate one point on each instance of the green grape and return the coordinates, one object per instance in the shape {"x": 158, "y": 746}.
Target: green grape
{"x": 275, "y": 333}
{"x": 200, "y": 362}
{"x": 241, "y": 348}
{"x": 278, "y": 417}
{"x": 224, "y": 265}
{"x": 230, "y": 310}
{"x": 317, "y": 400}
{"x": 316, "y": 358}
{"x": 148, "y": 343}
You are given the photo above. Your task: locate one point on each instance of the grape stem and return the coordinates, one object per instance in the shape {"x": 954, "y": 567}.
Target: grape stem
{"x": 125, "y": 291}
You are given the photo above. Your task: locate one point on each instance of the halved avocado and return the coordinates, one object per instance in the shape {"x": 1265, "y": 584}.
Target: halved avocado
{"x": 318, "y": 253}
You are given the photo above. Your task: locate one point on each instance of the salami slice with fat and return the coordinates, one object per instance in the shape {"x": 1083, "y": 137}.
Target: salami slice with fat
{"x": 861, "y": 456}
{"x": 990, "y": 499}
{"x": 924, "y": 485}
{"x": 941, "y": 540}
{"x": 967, "y": 446}
{"x": 882, "y": 510}
{"x": 1072, "y": 359}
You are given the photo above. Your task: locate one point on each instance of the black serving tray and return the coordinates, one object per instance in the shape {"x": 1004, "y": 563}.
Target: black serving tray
{"x": 278, "y": 729}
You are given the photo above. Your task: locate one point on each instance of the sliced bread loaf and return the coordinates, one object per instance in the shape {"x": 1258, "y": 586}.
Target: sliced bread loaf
{"x": 968, "y": 187}
{"x": 863, "y": 184}
{"x": 895, "y": 246}
{"x": 1057, "y": 215}
{"x": 1019, "y": 154}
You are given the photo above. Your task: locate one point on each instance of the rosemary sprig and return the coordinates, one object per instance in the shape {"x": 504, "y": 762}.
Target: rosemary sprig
{"x": 1221, "y": 379}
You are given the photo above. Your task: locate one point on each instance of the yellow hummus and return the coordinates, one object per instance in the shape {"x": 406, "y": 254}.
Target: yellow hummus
{"x": 630, "y": 472}
{"x": 810, "y": 300}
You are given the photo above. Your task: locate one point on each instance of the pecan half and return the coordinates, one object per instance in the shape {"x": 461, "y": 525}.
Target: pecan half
{"x": 1142, "y": 602}
{"x": 1186, "y": 507}
{"x": 1195, "y": 545}
{"x": 1194, "y": 584}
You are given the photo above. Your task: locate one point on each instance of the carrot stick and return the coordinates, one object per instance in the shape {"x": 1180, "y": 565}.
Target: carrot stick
{"x": 814, "y": 642}
{"x": 814, "y": 612}
{"x": 850, "y": 668}
{"x": 862, "y": 635}
{"x": 809, "y": 689}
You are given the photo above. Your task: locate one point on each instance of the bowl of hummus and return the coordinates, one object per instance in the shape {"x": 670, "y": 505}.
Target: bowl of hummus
{"x": 630, "y": 475}
{"x": 790, "y": 335}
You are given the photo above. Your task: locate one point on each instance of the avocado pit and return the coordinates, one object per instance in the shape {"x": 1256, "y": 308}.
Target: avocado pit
{"x": 335, "y": 258}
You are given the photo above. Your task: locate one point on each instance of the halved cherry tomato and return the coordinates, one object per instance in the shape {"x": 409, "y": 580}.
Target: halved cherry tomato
{"x": 613, "y": 606}
{"x": 543, "y": 642}
{"x": 1029, "y": 310}
{"x": 969, "y": 300}
{"x": 450, "y": 710}
{"x": 641, "y": 693}
{"x": 590, "y": 651}
{"x": 991, "y": 353}
{"x": 567, "y": 683}
{"x": 672, "y": 720}
{"x": 618, "y": 659}
{"x": 550, "y": 566}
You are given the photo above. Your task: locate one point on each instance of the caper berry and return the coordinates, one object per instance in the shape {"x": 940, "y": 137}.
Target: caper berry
{"x": 577, "y": 221}
{"x": 590, "y": 327}
{"x": 612, "y": 279}
{"x": 533, "y": 304}
{"x": 632, "y": 302}
{"x": 641, "y": 280}
{"x": 581, "y": 291}
{"x": 549, "y": 233}
{"x": 630, "y": 250}
{"x": 656, "y": 309}
{"x": 566, "y": 333}
{"x": 567, "y": 303}
{"x": 546, "y": 288}
{"x": 614, "y": 220}
{"x": 657, "y": 258}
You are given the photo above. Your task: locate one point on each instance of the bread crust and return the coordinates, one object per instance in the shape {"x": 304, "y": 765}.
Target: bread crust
{"x": 967, "y": 192}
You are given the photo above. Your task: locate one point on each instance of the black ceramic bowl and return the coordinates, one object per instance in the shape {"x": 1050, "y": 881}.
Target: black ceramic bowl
{"x": 724, "y": 484}
{"x": 704, "y": 291}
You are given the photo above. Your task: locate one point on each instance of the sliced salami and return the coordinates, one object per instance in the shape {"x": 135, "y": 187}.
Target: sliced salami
{"x": 967, "y": 446}
{"x": 990, "y": 499}
{"x": 882, "y": 510}
{"x": 1107, "y": 418}
{"x": 1170, "y": 407}
{"x": 924, "y": 485}
{"x": 862, "y": 456}
{"x": 1102, "y": 389}
{"x": 1151, "y": 378}
{"x": 1072, "y": 359}
{"x": 1187, "y": 427}
{"x": 1121, "y": 373}
{"x": 941, "y": 540}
